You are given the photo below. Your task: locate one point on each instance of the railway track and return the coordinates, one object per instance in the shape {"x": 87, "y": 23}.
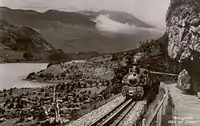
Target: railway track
{"x": 114, "y": 117}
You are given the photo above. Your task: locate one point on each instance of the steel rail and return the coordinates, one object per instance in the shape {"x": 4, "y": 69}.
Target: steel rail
{"x": 124, "y": 114}
{"x": 106, "y": 119}
{"x": 111, "y": 119}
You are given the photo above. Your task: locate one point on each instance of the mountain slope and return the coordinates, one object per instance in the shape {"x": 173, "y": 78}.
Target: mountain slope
{"x": 21, "y": 43}
{"x": 74, "y": 32}
{"x": 118, "y": 16}
{"x": 39, "y": 20}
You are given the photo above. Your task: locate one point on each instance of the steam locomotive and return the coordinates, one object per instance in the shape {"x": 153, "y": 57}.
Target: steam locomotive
{"x": 136, "y": 83}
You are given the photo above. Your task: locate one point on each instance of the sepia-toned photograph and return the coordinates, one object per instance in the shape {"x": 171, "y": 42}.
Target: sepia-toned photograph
{"x": 99, "y": 62}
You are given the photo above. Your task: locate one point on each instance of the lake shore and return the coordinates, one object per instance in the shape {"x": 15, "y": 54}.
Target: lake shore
{"x": 20, "y": 97}
{"x": 13, "y": 75}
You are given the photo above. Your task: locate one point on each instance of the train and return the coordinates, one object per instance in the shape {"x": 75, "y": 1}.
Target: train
{"x": 137, "y": 83}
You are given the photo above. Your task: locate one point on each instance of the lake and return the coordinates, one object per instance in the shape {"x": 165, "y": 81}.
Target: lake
{"x": 12, "y": 75}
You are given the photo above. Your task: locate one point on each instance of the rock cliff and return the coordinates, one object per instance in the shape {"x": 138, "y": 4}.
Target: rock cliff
{"x": 183, "y": 29}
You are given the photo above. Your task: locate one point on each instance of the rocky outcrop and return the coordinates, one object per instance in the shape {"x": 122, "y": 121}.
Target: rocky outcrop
{"x": 184, "y": 80}
{"x": 183, "y": 29}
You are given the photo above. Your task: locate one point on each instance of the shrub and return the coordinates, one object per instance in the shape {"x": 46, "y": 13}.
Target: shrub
{"x": 28, "y": 55}
{"x": 30, "y": 76}
{"x": 57, "y": 57}
{"x": 63, "y": 74}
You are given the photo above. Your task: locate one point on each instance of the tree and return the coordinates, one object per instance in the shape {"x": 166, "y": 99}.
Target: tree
{"x": 74, "y": 114}
{"x": 89, "y": 92}
{"x": 11, "y": 91}
{"x": 7, "y": 102}
{"x": 31, "y": 75}
{"x": 11, "y": 105}
{"x": 42, "y": 90}
{"x": 47, "y": 94}
{"x": 85, "y": 85}
{"x": 63, "y": 74}
{"x": 41, "y": 75}
{"x": 50, "y": 64}
{"x": 42, "y": 115}
{"x": 78, "y": 85}
{"x": 28, "y": 55}
{"x": 57, "y": 56}
{"x": 49, "y": 76}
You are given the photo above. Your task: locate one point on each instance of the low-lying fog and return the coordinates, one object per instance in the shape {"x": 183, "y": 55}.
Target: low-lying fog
{"x": 104, "y": 23}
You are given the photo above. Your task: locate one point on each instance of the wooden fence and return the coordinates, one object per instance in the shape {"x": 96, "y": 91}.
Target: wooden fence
{"x": 158, "y": 113}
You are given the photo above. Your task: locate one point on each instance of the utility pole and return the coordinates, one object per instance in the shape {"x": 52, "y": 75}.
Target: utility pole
{"x": 56, "y": 104}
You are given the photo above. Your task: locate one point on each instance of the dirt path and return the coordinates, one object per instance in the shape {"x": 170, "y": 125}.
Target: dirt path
{"x": 187, "y": 107}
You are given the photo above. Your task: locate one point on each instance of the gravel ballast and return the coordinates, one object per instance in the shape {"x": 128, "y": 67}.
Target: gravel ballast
{"x": 135, "y": 114}
{"x": 98, "y": 113}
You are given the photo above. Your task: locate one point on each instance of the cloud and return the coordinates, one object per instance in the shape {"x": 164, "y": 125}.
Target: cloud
{"x": 152, "y": 11}
{"x": 104, "y": 23}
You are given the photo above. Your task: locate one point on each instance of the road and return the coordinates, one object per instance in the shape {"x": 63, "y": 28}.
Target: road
{"x": 187, "y": 107}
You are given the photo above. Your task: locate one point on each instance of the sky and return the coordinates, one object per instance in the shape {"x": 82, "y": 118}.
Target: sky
{"x": 150, "y": 11}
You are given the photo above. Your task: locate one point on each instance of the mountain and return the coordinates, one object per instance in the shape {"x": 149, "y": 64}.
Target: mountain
{"x": 23, "y": 44}
{"x": 75, "y": 32}
{"x": 44, "y": 20}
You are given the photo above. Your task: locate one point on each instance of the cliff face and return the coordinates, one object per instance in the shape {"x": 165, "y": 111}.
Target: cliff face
{"x": 183, "y": 29}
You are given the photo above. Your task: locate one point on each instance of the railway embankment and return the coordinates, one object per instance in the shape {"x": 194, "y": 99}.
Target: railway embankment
{"x": 129, "y": 113}
{"x": 134, "y": 117}
{"x": 93, "y": 116}
{"x": 160, "y": 111}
